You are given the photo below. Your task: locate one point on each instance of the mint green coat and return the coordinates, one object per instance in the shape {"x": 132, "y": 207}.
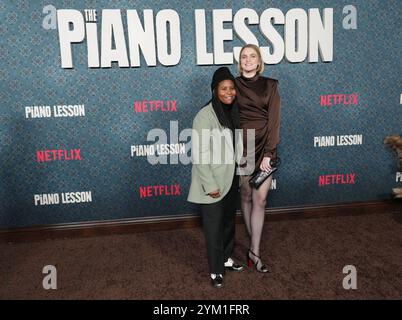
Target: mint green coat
{"x": 213, "y": 157}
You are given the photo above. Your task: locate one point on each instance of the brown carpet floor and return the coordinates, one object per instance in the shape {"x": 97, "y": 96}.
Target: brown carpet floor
{"x": 306, "y": 258}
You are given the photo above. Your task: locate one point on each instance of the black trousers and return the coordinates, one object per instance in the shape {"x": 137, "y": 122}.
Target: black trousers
{"x": 218, "y": 221}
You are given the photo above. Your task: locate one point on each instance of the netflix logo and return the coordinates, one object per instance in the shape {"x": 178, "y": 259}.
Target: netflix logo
{"x": 160, "y": 190}
{"x": 331, "y": 179}
{"x": 58, "y": 155}
{"x": 145, "y": 106}
{"x": 328, "y": 100}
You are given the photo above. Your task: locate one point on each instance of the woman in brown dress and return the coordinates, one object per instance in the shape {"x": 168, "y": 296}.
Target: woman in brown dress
{"x": 259, "y": 109}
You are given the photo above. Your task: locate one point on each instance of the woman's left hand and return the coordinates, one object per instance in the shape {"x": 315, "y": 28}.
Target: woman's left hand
{"x": 265, "y": 164}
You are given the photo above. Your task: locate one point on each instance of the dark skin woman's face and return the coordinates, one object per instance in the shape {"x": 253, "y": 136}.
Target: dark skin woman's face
{"x": 226, "y": 91}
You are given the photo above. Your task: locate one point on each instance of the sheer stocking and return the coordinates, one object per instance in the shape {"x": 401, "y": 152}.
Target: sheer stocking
{"x": 253, "y": 203}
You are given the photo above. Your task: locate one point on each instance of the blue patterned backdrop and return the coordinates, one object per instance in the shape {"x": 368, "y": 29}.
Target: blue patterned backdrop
{"x": 367, "y": 61}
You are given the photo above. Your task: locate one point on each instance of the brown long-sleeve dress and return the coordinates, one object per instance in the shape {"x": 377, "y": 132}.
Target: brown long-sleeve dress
{"x": 259, "y": 108}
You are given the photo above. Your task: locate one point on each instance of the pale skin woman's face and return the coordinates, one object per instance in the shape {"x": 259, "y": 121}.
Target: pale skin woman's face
{"x": 226, "y": 91}
{"x": 249, "y": 61}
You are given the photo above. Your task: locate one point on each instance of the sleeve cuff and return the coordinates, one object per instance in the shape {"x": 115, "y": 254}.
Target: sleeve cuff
{"x": 210, "y": 188}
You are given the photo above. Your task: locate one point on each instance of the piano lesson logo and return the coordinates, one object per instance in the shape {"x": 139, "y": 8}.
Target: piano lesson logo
{"x": 56, "y": 111}
{"x": 47, "y": 199}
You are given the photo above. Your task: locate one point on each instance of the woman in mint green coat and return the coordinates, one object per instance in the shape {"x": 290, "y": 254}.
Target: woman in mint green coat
{"x": 214, "y": 182}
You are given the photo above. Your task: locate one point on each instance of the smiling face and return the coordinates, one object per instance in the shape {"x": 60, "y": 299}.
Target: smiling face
{"x": 249, "y": 61}
{"x": 226, "y": 91}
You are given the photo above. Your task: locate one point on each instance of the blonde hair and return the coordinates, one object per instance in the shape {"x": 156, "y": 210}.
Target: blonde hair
{"x": 260, "y": 68}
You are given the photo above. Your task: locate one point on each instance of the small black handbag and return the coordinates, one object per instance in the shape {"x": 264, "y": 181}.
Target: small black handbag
{"x": 260, "y": 176}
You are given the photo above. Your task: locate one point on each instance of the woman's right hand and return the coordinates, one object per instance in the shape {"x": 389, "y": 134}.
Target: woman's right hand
{"x": 266, "y": 164}
{"x": 215, "y": 194}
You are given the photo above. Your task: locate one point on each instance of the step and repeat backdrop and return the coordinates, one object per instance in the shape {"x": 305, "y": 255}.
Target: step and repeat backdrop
{"x": 97, "y": 99}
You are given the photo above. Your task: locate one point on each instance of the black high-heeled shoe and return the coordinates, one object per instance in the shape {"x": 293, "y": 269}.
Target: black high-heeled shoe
{"x": 258, "y": 265}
